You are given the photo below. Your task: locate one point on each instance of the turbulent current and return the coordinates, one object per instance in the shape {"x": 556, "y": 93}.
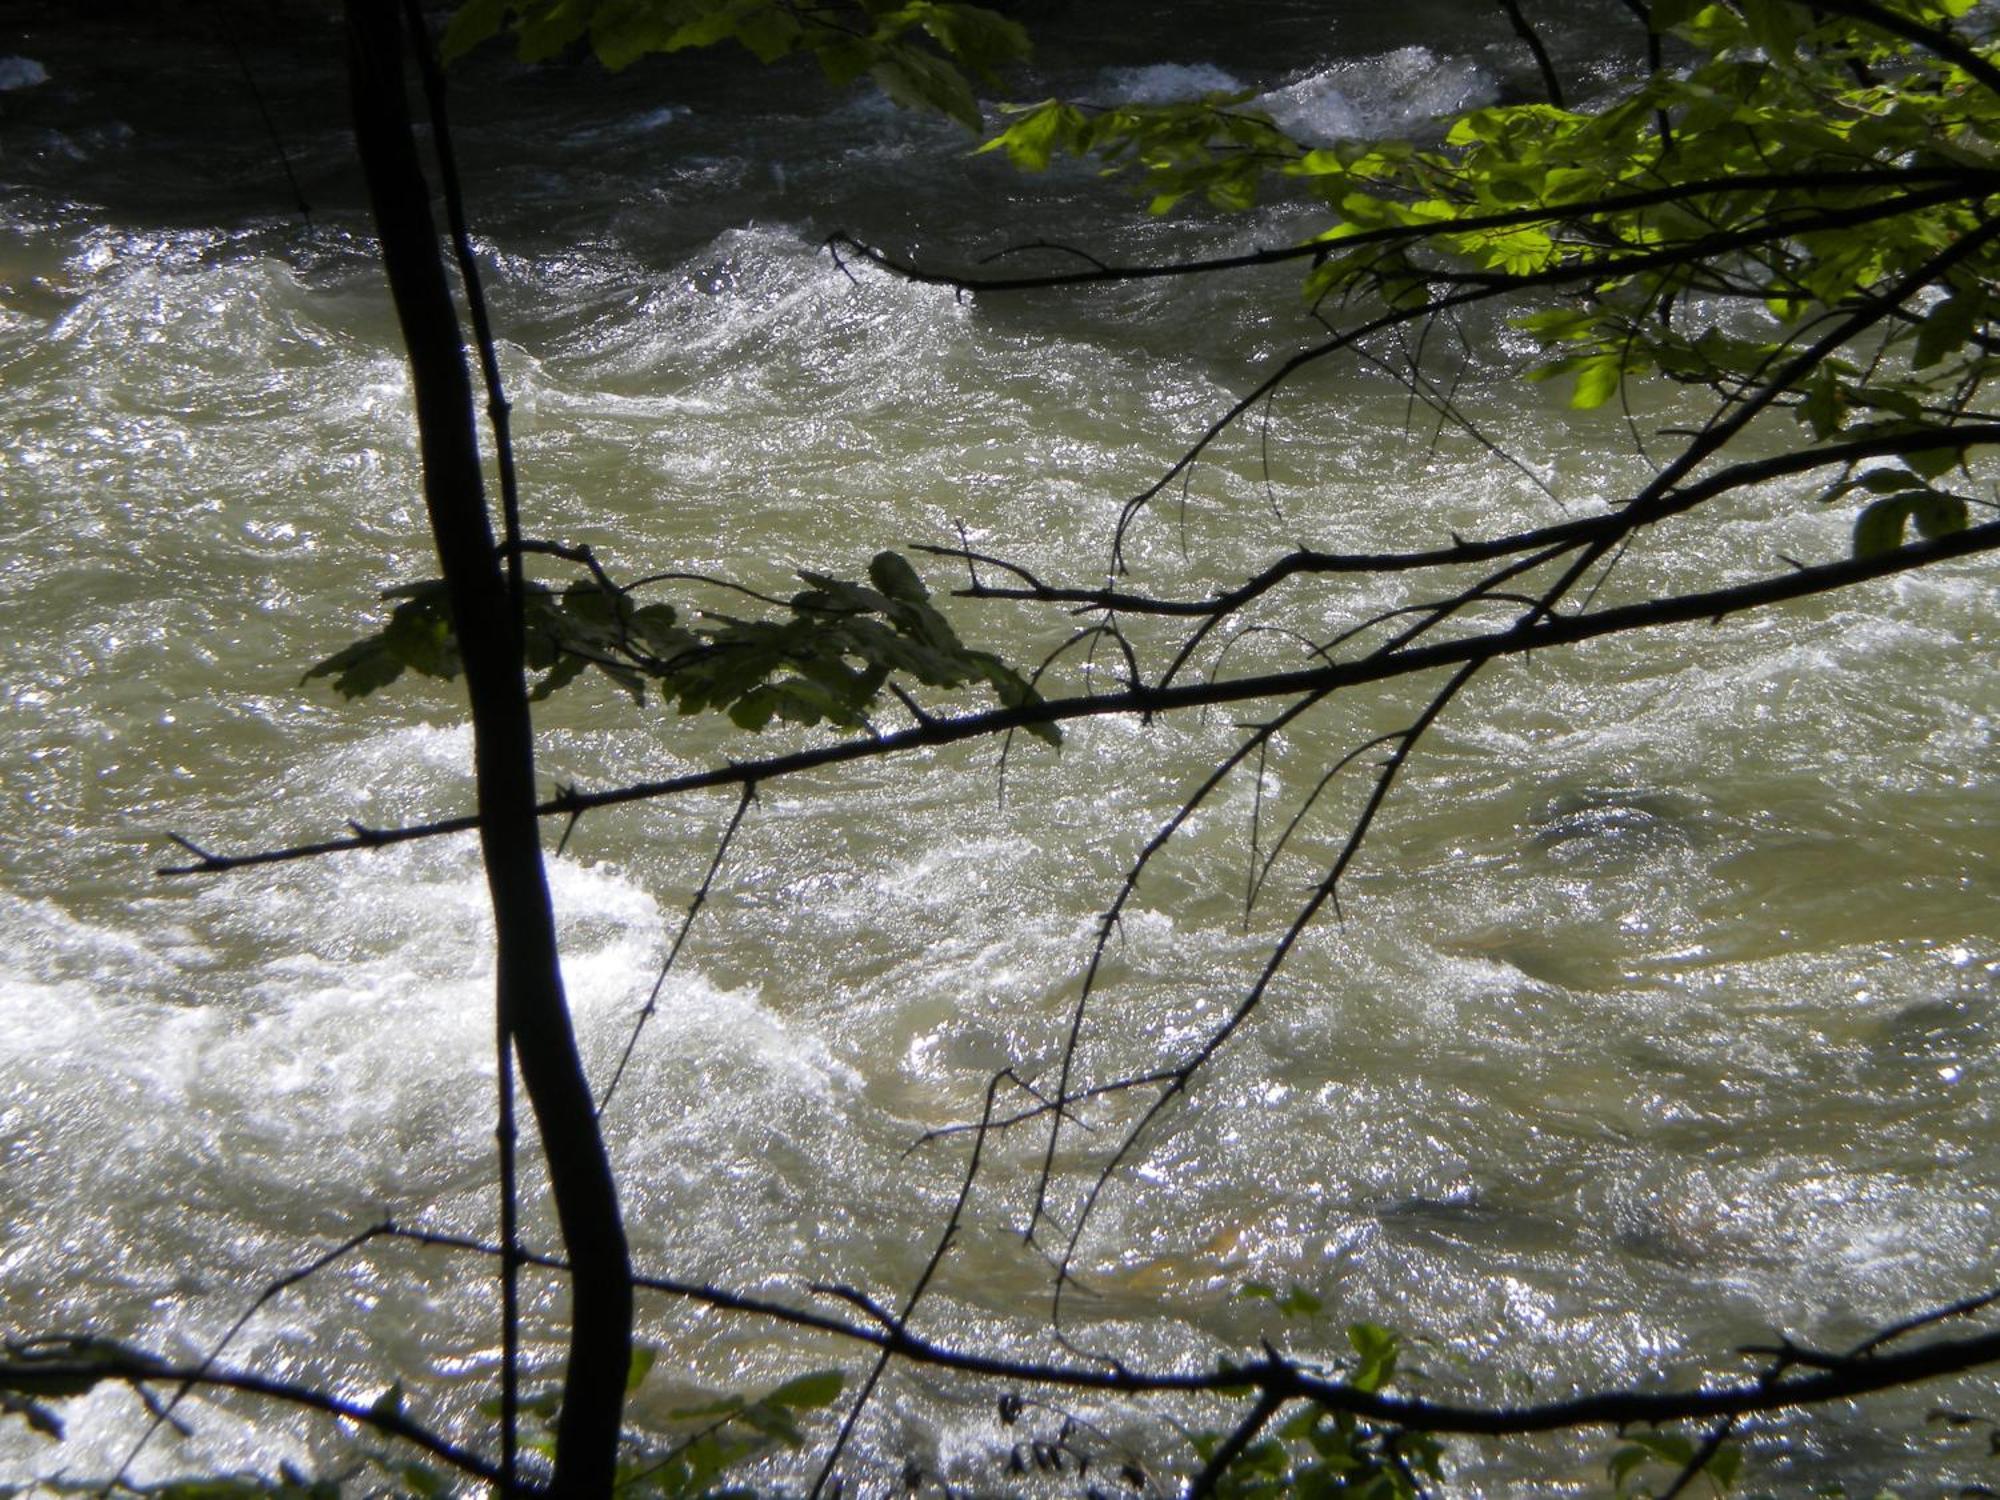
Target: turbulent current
{"x": 1657, "y": 1017}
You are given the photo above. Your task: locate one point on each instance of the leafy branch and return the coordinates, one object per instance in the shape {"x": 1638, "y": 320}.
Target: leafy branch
{"x": 35, "y": 1373}
{"x": 1563, "y": 630}
{"x": 831, "y": 662}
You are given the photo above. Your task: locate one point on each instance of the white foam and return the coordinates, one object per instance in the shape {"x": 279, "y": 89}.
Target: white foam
{"x": 1169, "y": 83}
{"x": 21, "y": 73}
{"x": 645, "y": 123}
{"x": 1397, "y": 93}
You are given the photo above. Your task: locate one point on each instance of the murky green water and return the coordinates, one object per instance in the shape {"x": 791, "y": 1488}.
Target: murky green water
{"x": 1659, "y": 1018}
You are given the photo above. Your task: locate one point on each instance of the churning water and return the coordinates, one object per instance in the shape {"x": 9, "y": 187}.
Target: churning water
{"x": 1659, "y": 1018}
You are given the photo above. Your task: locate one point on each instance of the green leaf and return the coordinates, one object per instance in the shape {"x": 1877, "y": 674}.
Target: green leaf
{"x": 808, "y": 1392}
{"x": 770, "y": 31}
{"x": 1376, "y": 1348}
{"x": 359, "y": 669}
{"x": 892, "y": 574}
{"x": 844, "y": 59}
{"x": 419, "y": 632}
{"x": 1775, "y": 25}
{"x": 620, "y": 37}
{"x": 656, "y": 630}
{"x": 566, "y": 669}
{"x": 1597, "y": 381}
{"x": 643, "y": 1357}
{"x": 772, "y": 1422}
{"x": 1668, "y": 1447}
{"x": 1879, "y": 528}
{"x": 980, "y": 39}
{"x": 1631, "y": 1457}
{"x": 1302, "y": 1425}
{"x": 471, "y": 24}
{"x": 1034, "y": 137}
{"x": 1934, "y": 463}
{"x": 550, "y": 27}
{"x": 1723, "y": 1466}
{"x": 918, "y": 80}
{"x": 722, "y": 1406}
{"x": 423, "y": 1481}
{"x": 1947, "y": 326}
{"x": 1825, "y": 404}
{"x": 1299, "y": 1303}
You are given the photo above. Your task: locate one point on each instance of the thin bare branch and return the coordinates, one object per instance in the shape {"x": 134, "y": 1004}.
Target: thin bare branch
{"x": 58, "y": 1367}
{"x": 271, "y": 1289}
{"x": 946, "y": 1238}
{"x": 1241, "y": 1436}
{"x": 695, "y": 905}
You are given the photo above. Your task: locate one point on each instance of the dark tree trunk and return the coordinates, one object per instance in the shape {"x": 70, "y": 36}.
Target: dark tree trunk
{"x": 532, "y": 1008}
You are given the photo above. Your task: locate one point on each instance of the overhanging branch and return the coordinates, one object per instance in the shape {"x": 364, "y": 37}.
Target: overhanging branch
{"x": 1564, "y": 630}
{"x": 1831, "y": 1377}
{"x": 1973, "y": 180}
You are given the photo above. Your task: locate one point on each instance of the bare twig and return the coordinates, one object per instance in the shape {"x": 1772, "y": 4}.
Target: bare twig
{"x": 695, "y": 905}
{"x": 1532, "y": 38}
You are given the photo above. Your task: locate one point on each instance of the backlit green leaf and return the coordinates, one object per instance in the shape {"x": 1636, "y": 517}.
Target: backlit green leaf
{"x": 1377, "y": 1349}
{"x": 1597, "y": 381}
{"x": 809, "y": 1392}
{"x": 919, "y": 80}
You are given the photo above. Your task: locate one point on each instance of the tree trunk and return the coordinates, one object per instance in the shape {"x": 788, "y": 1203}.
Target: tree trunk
{"x": 532, "y": 1008}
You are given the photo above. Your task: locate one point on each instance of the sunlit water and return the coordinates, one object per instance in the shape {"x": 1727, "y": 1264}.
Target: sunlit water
{"x": 1657, "y": 1019}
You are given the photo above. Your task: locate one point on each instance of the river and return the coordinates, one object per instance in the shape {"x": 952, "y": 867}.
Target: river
{"x": 1657, "y": 1018}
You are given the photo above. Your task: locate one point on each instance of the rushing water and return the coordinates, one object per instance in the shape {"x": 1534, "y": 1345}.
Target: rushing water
{"x": 1658, "y": 1019}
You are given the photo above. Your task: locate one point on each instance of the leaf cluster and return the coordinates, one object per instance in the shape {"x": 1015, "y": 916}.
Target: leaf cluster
{"x": 924, "y": 54}
{"x": 717, "y": 1437}
{"x": 1708, "y": 224}
{"x": 1214, "y": 147}
{"x": 1319, "y": 1453}
{"x": 829, "y": 660}
{"x": 1720, "y": 1464}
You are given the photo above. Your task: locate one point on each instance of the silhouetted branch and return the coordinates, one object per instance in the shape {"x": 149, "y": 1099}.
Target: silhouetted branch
{"x": 499, "y": 416}
{"x": 59, "y": 1367}
{"x": 687, "y": 922}
{"x": 1107, "y": 924}
{"x": 1971, "y": 179}
{"x": 532, "y": 1012}
{"x": 1550, "y": 82}
{"x": 1934, "y": 39}
{"x": 290, "y": 1279}
{"x": 946, "y": 1238}
{"x": 1267, "y": 1406}
{"x": 1568, "y": 630}
{"x": 1480, "y": 286}
{"x": 1839, "y": 1378}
